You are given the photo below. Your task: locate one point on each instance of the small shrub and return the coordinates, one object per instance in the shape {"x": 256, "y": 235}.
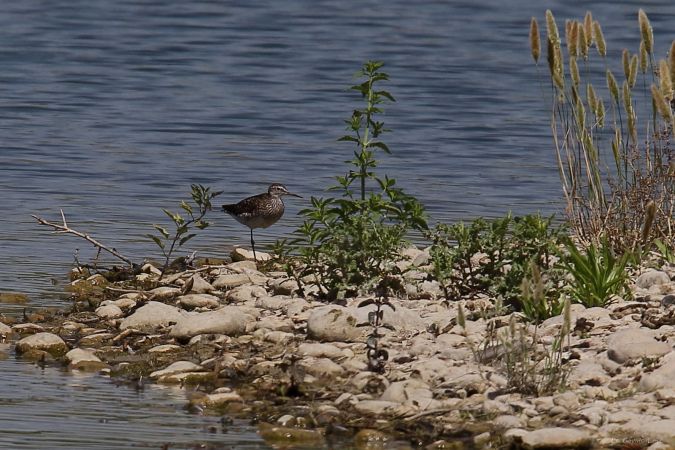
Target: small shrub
{"x": 493, "y": 256}
{"x": 168, "y": 243}
{"x": 598, "y": 275}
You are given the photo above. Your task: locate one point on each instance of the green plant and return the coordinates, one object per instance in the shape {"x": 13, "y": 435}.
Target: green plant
{"x": 539, "y": 300}
{"x": 493, "y": 256}
{"x": 598, "y": 275}
{"x": 168, "y": 243}
{"x": 611, "y": 169}
{"x": 349, "y": 243}
{"x": 666, "y": 253}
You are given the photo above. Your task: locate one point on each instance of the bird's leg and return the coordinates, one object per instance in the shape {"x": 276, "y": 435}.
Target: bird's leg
{"x": 253, "y": 246}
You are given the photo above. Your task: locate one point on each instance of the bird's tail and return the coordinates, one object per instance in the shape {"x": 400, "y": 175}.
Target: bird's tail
{"x": 228, "y": 208}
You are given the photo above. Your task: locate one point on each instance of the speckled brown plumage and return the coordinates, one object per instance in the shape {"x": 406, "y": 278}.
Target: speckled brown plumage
{"x": 260, "y": 211}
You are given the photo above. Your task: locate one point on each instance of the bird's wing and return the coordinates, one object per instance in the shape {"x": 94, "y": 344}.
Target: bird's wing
{"x": 244, "y": 207}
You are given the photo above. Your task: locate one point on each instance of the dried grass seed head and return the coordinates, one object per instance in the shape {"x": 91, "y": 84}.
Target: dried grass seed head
{"x": 535, "y": 42}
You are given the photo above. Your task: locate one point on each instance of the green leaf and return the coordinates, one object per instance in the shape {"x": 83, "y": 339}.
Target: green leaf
{"x": 348, "y": 138}
{"x": 162, "y": 230}
{"x": 186, "y": 207}
{"x": 381, "y": 145}
{"x": 186, "y": 238}
{"x": 156, "y": 240}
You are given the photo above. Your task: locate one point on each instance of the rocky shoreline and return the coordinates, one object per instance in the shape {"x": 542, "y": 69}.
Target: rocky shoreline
{"x": 242, "y": 343}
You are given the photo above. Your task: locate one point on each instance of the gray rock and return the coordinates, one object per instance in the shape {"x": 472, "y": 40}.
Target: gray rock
{"x": 165, "y": 348}
{"x": 229, "y": 320}
{"x": 242, "y": 254}
{"x": 48, "y": 342}
{"x": 319, "y": 350}
{"x": 83, "y": 359}
{"x": 279, "y": 337}
{"x": 411, "y": 392}
{"x": 109, "y": 312}
{"x": 192, "y": 301}
{"x": 5, "y": 330}
{"x": 556, "y": 437}
{"x": 200, "y": 285}
{"x": 626, "y": 345}
{"x": 661, "y": 378}
{"x": 507, "y": 422}
{"x": 124, "y": 303}
{"x": 403, "y": 319}
{"x": 284, "y": 286}
{"x": 245, "y": 293}
{"x": 589, "y": 372}
{"x": 335, "y": 323}
{"x": 275, "y": 324}
{"x": 376, "y": 407}
{"x": 320, "y": 367}
{"x": 231, "y": 280}
{"x": 275, "y": 303}
{"x": 654, "y": 430}
{"x": 652, "y": 278}
{"x": 668, "y": 300}
{"x": 164, "y": 293}
{"x": 177, "y": 367}
{"x": 152, "y": 316}
{"x": 241, "y": 266}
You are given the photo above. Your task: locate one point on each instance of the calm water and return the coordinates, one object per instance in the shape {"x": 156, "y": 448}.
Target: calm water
{"x": 110, "y": 110}
{"x": 51, "y": 409}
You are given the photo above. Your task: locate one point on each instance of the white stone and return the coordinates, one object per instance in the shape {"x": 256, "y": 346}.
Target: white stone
{"x": 275, "y": 324}
{"x": 626, "y": 345}
{"x": 245, "y": 293}
{"x": 5, "y": 330}
{"x": 661, "y": 378}
{"x": 152, "y": 316}
{"x": 229, "y": 320}
{"x": 652, "y": 278}
{"x": 242, "y": 254}
{"x": 199, "y": 285}
{"x": 557, "y": 438}
{"x": 79, "y": 358}
{"x": 231, "y": 280}
{"x": 654, "y": 430}
{"x": 320, "y": 367}
{"x": 335, "y": 323}
{"x": 48, "y": 342}
{"x": 177, "y": 367}
{"x": 164, "y": 293}
{"x": 165, "y": 348}
{"x": 192, "y": 301}
{"x": 411, "y": 392}
{"x": 376, "y": 407}
{"x": 109, "y": 312}
{"x": 320, "y": 350}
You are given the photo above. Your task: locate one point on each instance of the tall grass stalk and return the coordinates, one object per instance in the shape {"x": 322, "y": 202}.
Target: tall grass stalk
{"x": 612, "y": 163}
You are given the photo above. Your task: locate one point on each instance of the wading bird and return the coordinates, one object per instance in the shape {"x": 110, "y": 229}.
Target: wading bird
{"x": 260, "y": 211}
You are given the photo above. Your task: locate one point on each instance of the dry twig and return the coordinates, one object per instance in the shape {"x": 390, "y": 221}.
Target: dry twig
{"x": 64, "y": 228}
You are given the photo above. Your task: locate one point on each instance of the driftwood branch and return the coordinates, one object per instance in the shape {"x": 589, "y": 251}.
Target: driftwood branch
{"x": 64, "y": 228}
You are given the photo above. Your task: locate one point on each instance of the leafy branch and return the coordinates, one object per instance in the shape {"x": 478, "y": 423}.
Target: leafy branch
{"x": 201, "y": 196}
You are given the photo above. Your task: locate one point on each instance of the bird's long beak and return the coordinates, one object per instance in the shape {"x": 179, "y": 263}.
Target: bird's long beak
{"x": 294, "y": 195}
